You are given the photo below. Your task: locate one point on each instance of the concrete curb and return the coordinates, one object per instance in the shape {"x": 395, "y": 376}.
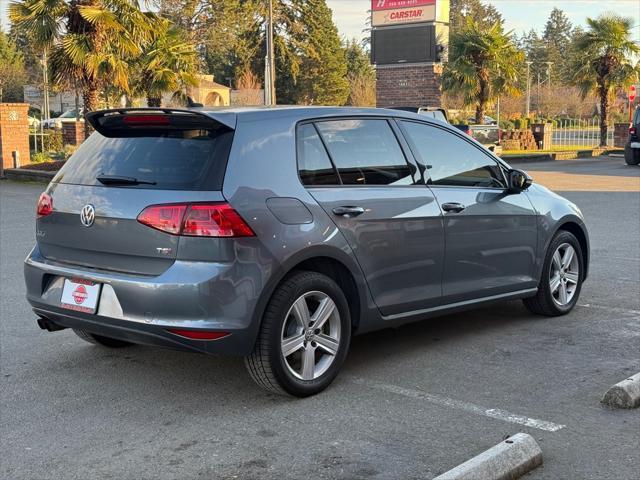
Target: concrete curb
{"x": 508, "y": 460}
{"x": 625, "y": 394}
{"x": 27, "y": 175}
{"x": 559, "y": 155}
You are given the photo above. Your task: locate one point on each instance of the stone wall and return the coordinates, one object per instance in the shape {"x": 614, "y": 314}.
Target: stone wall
{"x": 14, "y": 133}
{"x": 416, "y": 85}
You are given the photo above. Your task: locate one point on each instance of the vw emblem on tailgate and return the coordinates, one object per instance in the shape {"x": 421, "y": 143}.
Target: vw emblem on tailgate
{"x": 87, "y": 215}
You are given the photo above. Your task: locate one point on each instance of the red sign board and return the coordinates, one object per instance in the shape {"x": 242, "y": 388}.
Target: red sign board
{"x": 632, "y": 93}
{"x": 377, "y": 5}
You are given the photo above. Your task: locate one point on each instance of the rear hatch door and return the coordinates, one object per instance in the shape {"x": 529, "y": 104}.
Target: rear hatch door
{"x": 135, "y": 159}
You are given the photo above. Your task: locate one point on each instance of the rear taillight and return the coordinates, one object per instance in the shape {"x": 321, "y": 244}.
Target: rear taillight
{"x": 633, "y": 130}
{"x": 45, "y": 205}
{"x": 196, "y": 220}
{"x": 167, "y": 218}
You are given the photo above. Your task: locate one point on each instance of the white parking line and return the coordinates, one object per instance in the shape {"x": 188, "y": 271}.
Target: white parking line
{"x": 460, "y": 405}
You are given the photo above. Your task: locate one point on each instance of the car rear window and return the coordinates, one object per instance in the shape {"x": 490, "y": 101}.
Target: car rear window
{"x": 171, "y": 160}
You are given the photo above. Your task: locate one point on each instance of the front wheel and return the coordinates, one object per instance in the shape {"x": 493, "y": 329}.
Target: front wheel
{"x": 304, "y": 336}
{"x": 562, "y": 276}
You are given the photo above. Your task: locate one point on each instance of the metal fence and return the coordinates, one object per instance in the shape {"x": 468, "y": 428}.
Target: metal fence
{"x": 575, "y": 132}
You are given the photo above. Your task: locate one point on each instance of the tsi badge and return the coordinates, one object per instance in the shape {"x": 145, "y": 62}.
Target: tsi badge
{"x": 87, "y": 215}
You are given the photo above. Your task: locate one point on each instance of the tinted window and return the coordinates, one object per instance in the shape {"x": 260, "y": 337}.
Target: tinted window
{"x": 313, "y": 162}
{"x": 452, "y": 160}
{"x": 365, "y": 152}
{"x": 174, "y": 160}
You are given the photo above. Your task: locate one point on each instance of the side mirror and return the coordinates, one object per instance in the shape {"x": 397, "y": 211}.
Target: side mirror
{"x": 518, "y": 181}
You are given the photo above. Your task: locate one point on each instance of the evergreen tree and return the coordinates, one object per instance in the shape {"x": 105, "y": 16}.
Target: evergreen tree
{"x": 361, "y": 75}
{"x": 323, "y": 69}
{"x": 12, "y": 71}
{"x": 557, "y": 38}
{"x": 483, "y": 15}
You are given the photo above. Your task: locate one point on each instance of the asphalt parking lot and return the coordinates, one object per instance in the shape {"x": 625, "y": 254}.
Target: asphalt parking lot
{"x": 410, "y": 403}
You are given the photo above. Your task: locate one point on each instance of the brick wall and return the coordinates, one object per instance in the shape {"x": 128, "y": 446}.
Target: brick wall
{"x": 14, "y": 133}
{"x": 408, "y": 85}
{"x": 72, "y": 133}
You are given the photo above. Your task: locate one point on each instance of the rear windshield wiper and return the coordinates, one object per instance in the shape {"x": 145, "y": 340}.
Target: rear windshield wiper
{"x": 120, "y": 180}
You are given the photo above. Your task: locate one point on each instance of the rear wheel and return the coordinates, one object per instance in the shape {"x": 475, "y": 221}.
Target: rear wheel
{"x": 562, "y": 276}
{"x": 100, "y": 340}
{"x": 304, "y": 336}
{"x": 631, "y": 155}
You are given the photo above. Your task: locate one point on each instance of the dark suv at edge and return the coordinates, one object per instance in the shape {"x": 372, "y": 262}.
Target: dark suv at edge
{"x": 276, "y": 234}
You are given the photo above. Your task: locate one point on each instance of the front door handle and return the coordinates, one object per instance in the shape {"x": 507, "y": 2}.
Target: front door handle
{"x": 453, "y": 207}
{"x": 348, "y": 212}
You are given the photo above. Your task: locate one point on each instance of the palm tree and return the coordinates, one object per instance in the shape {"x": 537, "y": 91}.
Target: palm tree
{"x": 168, "y": 64}
{"x": 601, "y": 62}
{"x": 483, "y": 64}
{"x": 90, "y": 40}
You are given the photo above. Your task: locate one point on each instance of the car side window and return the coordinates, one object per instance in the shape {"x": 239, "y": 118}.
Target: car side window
{"x": 365, "y": 152}
{"x": 314, "y": 164}
{"x": 450, "y": 160}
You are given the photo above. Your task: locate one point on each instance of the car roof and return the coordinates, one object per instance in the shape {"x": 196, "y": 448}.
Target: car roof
{"x": 230, "y": 115}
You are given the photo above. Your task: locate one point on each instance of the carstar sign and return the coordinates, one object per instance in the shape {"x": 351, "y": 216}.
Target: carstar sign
{"x": 377, "y": 5}
{"x": 405, "y": 15}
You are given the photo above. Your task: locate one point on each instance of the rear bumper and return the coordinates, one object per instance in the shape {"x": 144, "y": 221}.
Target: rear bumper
{"x": 189, "y": 295}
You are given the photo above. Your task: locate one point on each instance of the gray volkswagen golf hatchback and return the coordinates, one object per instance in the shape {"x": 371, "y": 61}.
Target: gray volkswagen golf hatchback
{"x": 276, "y": 234}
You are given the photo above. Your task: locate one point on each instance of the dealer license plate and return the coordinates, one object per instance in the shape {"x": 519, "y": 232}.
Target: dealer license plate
{"x": 80, "y": 295}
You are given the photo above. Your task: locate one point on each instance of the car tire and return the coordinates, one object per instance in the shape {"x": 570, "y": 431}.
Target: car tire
{"x": 100, "y": 340}
{"x": 631, "y": 155}
{"x": 291, "y": 359}
{"x": 561, "y": 280}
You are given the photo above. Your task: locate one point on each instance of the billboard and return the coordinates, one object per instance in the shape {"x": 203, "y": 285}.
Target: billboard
{"x": 383, "y": 18}
{"x": 377, "y": 5}
{"x": 406, "y": 44}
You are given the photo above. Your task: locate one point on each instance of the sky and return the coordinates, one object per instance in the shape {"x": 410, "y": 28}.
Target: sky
{"x": 520, "y": 15}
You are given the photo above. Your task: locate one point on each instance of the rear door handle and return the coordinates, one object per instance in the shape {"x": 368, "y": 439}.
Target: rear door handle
{"x": 348, "y": 212}
{"x": 453, "y": 207}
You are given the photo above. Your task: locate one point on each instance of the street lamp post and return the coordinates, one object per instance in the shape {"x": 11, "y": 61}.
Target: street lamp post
{"x": 269, "y": 67}
{"x": 528, "y": 88}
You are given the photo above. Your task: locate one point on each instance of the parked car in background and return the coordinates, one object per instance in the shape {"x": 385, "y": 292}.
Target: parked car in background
{"x": 632, "y": 148}
{"x": 487, "y": 120}
{"x": 277, "y": 234}
{"x": 488, "y": 135}
{"x": 436, "y": 113}
{"x": 68, "y": 116}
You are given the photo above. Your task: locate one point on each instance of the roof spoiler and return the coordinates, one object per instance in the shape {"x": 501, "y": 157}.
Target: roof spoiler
{"x": 119, "y": 122}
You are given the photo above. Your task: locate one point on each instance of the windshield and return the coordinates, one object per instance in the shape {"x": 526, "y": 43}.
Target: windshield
{"x": 68, "y": 114}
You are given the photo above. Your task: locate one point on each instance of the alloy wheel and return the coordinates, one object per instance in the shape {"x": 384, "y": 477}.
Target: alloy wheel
{"x": 310, "y": 336}
{"x": 564, "y": 274}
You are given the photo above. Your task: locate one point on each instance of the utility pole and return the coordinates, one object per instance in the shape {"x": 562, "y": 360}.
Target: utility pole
{"x": 269, "y": 64}
{"x": 528, "y": 89}
{"x": 549, "y": 74}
